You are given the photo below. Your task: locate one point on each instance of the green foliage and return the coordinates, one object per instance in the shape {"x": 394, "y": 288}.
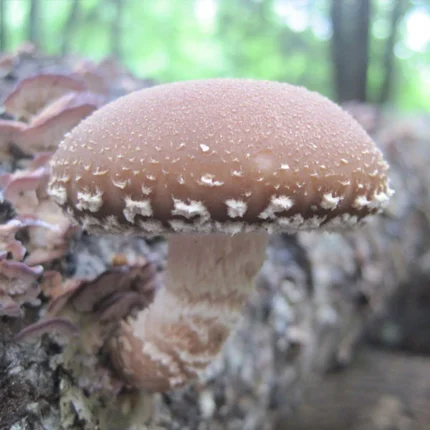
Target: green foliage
{"x": 168, "y": 40}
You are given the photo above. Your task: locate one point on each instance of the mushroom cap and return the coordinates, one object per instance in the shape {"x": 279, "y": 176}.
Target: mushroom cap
{"x": 220, "y": 155}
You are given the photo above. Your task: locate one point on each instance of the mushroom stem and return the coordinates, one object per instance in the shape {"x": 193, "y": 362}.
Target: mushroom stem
{"x": 207, "y": 283}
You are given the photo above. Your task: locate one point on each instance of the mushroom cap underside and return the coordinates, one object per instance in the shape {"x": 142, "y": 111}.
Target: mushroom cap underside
{"x": 226, "y": 155}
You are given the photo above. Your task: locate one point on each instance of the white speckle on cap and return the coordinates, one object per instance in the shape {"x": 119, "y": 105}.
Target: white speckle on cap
{"x": 136, "y": 207}
{"x": 145, "y": 190}
{"x": 119, "y": 183}
{"x": 58, "y": 193}
{"x": 190, "y": 210}
{"x": 329, "y": 201}
{"x": 99, "y": 172}
{"x": 380, "y": 200}
{"x": 204, "y": 148}
{"x": 277, "y": 204}
{"x": 361, "y": 202}
{"x": 89, "y": 201}
{"x": 208, "y": 180}
{"x": 236, "y": 208}
{"x": 237, "y": 173}
{"x": 285, "y": 166}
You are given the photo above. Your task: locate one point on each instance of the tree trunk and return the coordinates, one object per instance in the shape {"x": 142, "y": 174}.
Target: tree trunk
{"x": 116, "y": 29}
{"x": 68, "y": 28}
{"x": 397, "y": 12}
{"x": 2, "y": 25}
{"x": 350, "y": 48}
{"x": 34, "y": 23}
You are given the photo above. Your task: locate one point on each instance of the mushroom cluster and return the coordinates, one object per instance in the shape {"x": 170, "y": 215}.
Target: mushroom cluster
{"x": 215, "y": 165}
{"x": 45, "y": 108}
{"x": 36, "y": 238}
{"x": 35, "y": 231}
{"x": 92, "y": 309}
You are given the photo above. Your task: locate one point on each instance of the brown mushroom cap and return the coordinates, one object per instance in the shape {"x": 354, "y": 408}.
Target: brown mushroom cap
{"x": 222, "y": 155}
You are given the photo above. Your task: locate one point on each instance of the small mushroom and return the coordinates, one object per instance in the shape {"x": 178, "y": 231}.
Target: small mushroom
{"x": 21, "y": 188}
{"x": 92, "y": 76}
{"x": 67, "y": 101}
{"x": 34, "y": 93}
{"x": 17, "y": 285}
{"x": 8, "y": 307}
{"x": 48, "y": 229}
{"x": 8, "y": 243}
{"x": 215, "y": 165}
{"x": 62, "y": 325}
{"x": 48, "y": 127}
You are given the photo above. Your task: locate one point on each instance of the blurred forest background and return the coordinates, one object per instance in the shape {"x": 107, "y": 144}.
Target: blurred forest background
{"x": 368, "y": 50}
